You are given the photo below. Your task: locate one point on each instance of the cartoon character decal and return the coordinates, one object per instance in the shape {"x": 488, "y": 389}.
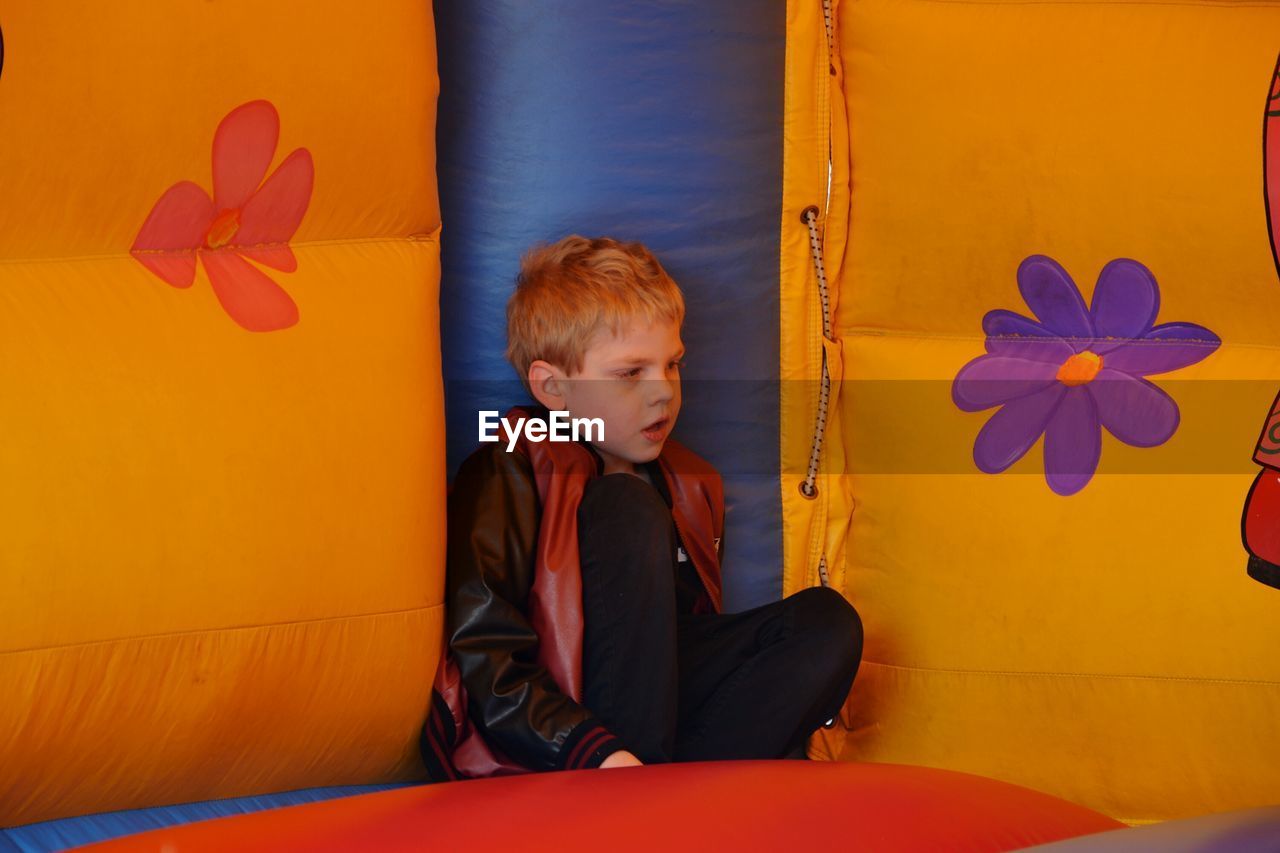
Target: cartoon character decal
{"x": 1260, "y": 525}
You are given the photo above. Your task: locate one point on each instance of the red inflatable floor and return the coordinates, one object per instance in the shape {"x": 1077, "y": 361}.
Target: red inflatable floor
{"x": 718, "y": 805}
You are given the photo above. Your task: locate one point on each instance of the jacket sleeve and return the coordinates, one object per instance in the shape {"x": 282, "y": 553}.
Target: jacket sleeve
{"x": 514, "y": 700}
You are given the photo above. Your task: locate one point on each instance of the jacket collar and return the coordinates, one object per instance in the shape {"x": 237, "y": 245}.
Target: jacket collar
{"x": 652, "y": 467}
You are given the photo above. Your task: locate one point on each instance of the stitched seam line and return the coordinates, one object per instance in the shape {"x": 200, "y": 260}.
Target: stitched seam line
{"x": 426, "y": 237}
{"x": 1156, "y": 342}
{"x": 1220, "y": 4}
{"x": 225, "y": 630}
{"x": 873, "y": 332}
{"x": 1075, "y": 675}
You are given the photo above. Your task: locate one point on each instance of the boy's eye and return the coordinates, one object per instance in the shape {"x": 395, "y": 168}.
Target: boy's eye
{"x": 634, "y": 372}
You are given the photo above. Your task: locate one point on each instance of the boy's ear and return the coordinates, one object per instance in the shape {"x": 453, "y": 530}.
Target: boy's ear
{"x": 546, "y": 381}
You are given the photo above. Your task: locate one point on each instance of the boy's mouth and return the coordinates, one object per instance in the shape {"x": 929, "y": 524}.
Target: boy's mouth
{"x": 656, "y": 430}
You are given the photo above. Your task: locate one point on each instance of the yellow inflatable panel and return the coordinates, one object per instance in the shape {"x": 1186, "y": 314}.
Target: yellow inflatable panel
{"x": 1057, "y": 596}
{"x": 814, "y": 495}
{"x": 222, "y": 481}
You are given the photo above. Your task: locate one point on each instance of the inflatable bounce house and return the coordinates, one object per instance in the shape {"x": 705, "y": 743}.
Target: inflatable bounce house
{"x": 983, "y": 329}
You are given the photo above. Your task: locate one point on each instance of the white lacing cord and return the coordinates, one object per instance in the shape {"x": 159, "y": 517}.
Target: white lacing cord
{"x": 809, "y": 487}
{"x": 809, "y": 215}
{"x": 826, "y": 20}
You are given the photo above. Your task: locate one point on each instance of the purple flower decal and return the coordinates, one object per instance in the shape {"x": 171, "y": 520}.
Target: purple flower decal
{"x": 1076, "y": 369}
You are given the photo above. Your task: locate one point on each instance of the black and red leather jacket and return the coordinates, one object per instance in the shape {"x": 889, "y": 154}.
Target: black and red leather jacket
{"x": 507, "y": 694}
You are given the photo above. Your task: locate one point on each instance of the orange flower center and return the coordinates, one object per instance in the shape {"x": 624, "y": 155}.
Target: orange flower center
{"x": 1080, "y": 369}
{"x": 224, "y": 227}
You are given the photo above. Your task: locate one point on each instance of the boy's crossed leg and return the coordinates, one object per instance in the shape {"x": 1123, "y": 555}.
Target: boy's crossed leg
{"x": 756, "y": 684}
{"x": 682, "y": 687}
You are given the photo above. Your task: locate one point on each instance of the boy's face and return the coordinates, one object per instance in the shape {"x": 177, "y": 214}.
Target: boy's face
{"x": 630, "y": 381}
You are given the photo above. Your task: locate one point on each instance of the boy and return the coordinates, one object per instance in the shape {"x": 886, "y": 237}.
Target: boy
{"x": 583, "y": 594}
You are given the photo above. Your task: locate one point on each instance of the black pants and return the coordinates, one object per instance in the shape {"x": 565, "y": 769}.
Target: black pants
{"x": 679, "y": 687}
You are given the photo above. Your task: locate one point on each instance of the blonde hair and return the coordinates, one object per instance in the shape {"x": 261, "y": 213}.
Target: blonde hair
{"x": 568, "y": 290}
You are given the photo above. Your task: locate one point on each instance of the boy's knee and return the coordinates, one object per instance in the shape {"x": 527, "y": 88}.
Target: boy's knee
{"x": 829, "y": 618}
{"x": 625, "y": 496}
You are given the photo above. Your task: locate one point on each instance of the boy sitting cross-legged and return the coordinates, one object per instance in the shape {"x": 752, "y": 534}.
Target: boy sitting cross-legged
{"x": 583, "y": 609}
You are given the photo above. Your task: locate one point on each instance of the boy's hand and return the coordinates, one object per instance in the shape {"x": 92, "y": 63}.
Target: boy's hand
{"x": 621, "y": 758}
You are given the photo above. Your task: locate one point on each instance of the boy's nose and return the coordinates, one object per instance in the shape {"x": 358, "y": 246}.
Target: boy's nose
{"x": 661, "y": 390}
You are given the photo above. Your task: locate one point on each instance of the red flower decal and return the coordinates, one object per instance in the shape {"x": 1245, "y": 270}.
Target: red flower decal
{"x": 248, "y": 219}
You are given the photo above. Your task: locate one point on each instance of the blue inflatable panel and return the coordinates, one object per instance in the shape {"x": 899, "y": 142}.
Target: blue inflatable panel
{"x": 658, "y": 122}
{"x": 74, "y": 831}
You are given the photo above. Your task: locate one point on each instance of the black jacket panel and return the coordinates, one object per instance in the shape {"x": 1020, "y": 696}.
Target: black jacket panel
{"x": 494, "y": 515}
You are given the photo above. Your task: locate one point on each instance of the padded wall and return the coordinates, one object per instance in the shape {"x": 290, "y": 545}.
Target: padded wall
{"x": 1088, "y": 633}
{"x": 651, "y": 122}
{"x": 222, "y": 466}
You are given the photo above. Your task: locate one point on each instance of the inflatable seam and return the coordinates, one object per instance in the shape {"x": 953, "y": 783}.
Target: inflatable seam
{"x": 223, "y": 630}
{"x": 994, "y": 672}
{"x": 871, "y": 332}
{"x": 425, "y": 237}
{"x": 1225, "y": 4}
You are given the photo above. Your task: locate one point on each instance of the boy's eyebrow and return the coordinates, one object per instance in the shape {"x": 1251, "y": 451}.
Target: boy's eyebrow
{"x": 639, "y": 359}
